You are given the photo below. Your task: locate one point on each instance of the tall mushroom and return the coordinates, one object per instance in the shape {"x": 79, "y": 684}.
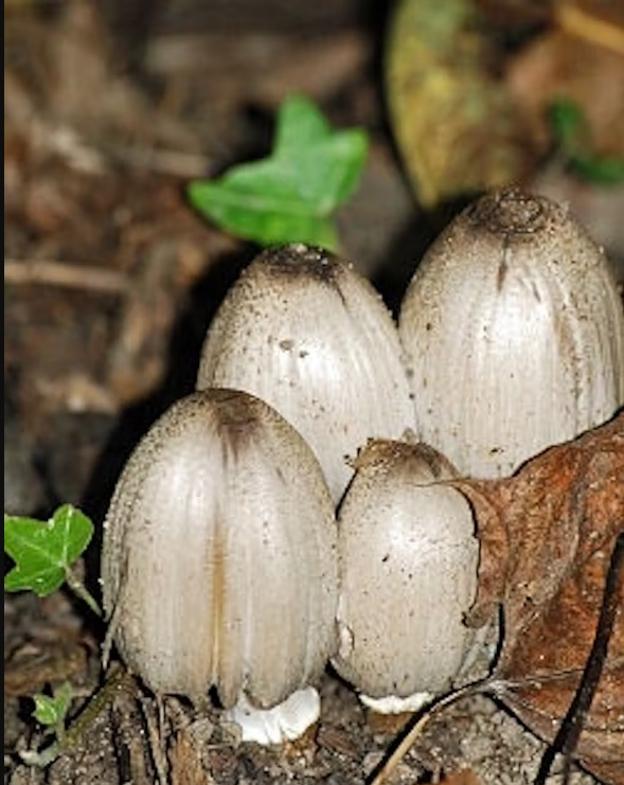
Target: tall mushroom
{"x": 408, "y": 573}
{"x": 514, "y": 334}
{"x": 219, "y": 562}
{"x": 304, "y": 332}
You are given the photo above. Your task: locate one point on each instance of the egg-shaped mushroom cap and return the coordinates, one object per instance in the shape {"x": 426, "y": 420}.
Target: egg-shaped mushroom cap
{"x": 514, "y": 334}
{"x": 219, "y": 559}
{"x": 306, "y": 333}
{"x": 408, "y": 570}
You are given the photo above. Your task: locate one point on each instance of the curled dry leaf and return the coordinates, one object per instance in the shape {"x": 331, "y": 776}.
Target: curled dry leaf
{"x": 547, "y": 535}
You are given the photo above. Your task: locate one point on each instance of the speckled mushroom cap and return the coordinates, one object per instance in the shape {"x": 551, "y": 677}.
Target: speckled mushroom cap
{"x": 219, "y": 559}
{"x": 304, "y": 332}
{"x": 408, "y": 573}
{"x": 514, "y": 334}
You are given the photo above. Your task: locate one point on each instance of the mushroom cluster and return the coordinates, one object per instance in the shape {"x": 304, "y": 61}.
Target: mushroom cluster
{"x": 282, "y": 516}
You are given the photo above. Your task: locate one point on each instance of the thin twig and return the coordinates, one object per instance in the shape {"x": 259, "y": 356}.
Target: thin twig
{"x": 155, "y": 743}
{"x": 59, "y": 273}
{"x": 498, "y": 687}
{"x": 580, "y": 23}
{"x": 176, "y": 163}
{"x": 129, "y": 741}
{"x": 419, "y": 722}
{"x": 571, "y": 728}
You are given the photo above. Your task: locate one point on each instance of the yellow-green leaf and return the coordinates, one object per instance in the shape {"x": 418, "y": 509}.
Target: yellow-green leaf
{"x": 52, "y": 710}
{"x": 455, "y": 126}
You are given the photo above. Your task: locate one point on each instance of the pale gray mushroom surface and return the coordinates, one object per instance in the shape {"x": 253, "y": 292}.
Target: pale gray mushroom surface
{"x": 304, "y": 332}
{"x": 408, "y": 573}
{"x": 514, "y": 334}
{"x": 219, "y": 559}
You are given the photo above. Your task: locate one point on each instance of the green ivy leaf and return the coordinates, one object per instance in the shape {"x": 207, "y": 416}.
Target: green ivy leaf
{"x": 299, "y": 122}
{"x": 289, "y": 196}
{"x": 568, "y": 124}
{"x": 602, "y": 170}
{"x": 52, "y": 710}
{"x": 571, "y": 134}
{"x": 43, "y": 551}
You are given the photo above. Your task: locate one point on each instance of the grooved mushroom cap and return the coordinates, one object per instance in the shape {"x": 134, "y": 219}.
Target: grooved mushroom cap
{"x": 408, "y": 573}
{"x": 514, "y": 334}
{"x": 304, "y": 332}
{"x": 219, "y": 560}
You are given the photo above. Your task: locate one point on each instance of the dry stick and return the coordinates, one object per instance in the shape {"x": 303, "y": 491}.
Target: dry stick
{"x": 155, "y": 742}
{"x": 585, "y": 25}
{"x": 129, "y": 741}
{"x": 176, "y": 163}
{"x": 415, "y": 731}
{"x": 58, "y": 273}
{"x": 498, "y": 687}
{"x": 570, "y": 729}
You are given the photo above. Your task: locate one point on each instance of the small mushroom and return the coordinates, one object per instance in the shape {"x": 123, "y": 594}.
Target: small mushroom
{"x": 408, "y": 573}
{"x": 219, "y": 564}
{"x": 514, "y": 334}
{"x": 304, "y": 332}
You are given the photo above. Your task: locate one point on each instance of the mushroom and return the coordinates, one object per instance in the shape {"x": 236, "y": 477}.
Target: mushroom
{"x": 219, "y": 563}
{"x": 408, "y": 573}
{"x": 304, "y": 332}
{"x": 514, "y": 334}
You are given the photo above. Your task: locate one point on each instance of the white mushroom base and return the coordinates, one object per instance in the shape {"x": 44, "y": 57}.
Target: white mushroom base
{"x": 391, "y": 704}
{"x": 284, "y": 722}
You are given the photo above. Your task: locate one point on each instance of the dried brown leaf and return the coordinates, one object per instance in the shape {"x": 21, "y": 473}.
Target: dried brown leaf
{"x": 547, "y": 535}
